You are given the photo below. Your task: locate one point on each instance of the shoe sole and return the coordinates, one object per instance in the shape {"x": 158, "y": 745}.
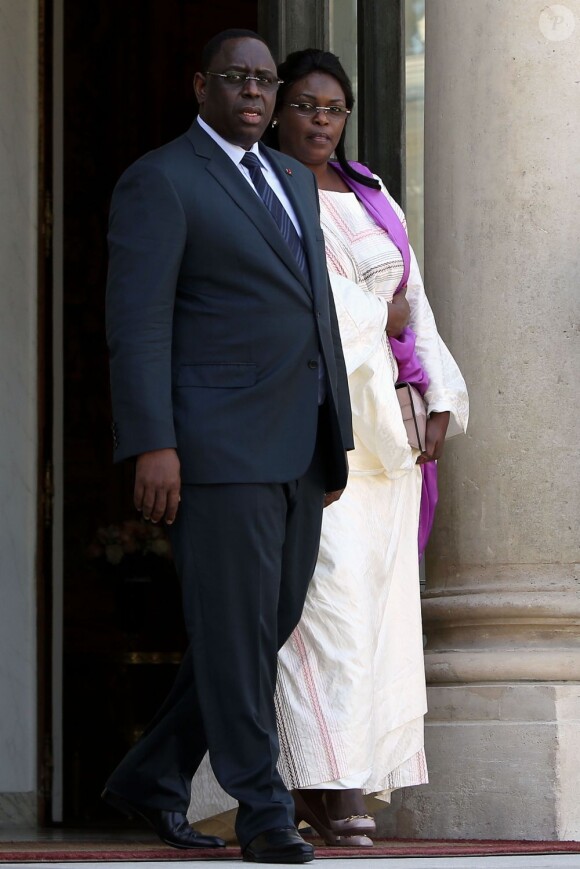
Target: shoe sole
{"x": 354, "y": 842}
{"x": 277, "y": 858}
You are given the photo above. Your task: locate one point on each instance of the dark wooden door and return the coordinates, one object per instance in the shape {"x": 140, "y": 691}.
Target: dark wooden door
{"x": 128, "y": 70}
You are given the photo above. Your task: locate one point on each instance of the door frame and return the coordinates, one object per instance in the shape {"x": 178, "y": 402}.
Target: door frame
{"x": 50, "y": 405}
{"x": 44, "y": 589}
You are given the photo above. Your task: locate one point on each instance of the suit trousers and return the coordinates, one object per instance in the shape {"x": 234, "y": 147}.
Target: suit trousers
{"x": 245, "y": 554}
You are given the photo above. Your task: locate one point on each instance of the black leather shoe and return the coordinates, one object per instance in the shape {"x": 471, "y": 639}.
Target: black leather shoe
{"x": 173, "y": 828}
{"x": 283, "y": 845}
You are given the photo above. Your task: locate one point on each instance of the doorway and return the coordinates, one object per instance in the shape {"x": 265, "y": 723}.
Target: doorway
{"x": 127, "y": 70}
{"x": 121, "y": 82}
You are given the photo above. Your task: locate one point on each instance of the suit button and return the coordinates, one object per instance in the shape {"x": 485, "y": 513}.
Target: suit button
{"x": 312, "y": 363}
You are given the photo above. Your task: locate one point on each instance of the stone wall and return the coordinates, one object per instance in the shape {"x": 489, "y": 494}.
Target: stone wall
{"x": 18, "y": 407}
{"x": 502, "y": 606}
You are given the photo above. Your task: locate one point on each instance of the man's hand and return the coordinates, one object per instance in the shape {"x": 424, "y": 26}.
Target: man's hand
{"x": 157, "y": 485}
{"x": 434, "y": 437}
{"x": 331, "y": 497}
{"x": 399, "y": 313}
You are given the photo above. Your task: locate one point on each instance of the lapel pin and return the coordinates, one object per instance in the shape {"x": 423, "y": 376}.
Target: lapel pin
{"x": 288, "y": 171}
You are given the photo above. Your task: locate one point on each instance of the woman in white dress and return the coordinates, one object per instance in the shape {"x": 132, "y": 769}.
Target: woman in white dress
{"x": 351, "y": 686}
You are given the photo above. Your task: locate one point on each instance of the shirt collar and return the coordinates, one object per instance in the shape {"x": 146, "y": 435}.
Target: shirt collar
{"x": 234, "y": 152}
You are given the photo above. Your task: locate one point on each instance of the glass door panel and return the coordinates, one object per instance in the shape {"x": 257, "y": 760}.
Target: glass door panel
{"x": 343, "y": 42}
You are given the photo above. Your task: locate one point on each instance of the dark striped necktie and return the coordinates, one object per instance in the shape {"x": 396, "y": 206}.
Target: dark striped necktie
{"x": 276, "y": 209}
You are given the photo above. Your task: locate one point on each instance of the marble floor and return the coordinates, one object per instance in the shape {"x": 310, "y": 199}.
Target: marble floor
{"x": 556, "y": 861}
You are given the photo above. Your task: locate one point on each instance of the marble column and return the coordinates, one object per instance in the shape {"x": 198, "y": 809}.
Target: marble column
{"x": 502, "y": 605}
{"x": 18, "y": 403}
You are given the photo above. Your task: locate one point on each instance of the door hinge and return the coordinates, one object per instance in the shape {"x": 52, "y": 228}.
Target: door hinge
{"x": 47, "y": 769}
{"x": 48, "y": 494}
{"x": 47, "y": 221}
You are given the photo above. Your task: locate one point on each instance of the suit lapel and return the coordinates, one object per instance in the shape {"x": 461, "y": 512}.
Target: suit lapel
{"x": 229, "y": 177}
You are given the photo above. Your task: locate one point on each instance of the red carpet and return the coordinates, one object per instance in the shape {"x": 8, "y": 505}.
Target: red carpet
{"x": 49, "y": 852}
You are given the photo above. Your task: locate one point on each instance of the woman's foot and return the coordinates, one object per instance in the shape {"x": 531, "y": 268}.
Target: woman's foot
{"x": 338, "y": 816}
{"x": 347, "y": 813}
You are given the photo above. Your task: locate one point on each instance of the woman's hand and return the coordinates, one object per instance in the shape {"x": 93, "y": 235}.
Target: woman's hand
{"x": 399, "y": 313}
{"x": 434, "y": 437}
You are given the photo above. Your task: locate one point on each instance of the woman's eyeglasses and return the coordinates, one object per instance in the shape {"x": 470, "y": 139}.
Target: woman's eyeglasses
{"x": 236, "y": 79}
{"x": 307, "y": 110}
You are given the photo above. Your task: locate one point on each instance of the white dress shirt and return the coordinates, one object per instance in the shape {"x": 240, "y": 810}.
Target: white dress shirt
{"x": 236, "y": 154}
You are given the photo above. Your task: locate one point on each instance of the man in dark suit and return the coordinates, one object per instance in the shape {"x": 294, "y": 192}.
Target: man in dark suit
{"x": 229, "y": 390}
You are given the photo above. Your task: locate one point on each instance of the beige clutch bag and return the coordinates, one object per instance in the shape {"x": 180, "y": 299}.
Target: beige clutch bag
{"x": 414, "y": 413}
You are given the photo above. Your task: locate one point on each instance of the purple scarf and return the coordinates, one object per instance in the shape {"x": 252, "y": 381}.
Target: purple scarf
{"x": 410, "y": 367}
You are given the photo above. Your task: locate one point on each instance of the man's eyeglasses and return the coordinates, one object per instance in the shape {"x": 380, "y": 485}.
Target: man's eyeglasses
{"x": 307, "y": 110}
{"x": 236, "y": 79}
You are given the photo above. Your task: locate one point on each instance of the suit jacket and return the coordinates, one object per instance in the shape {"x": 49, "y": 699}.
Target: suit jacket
{"x": 213, "y": 330}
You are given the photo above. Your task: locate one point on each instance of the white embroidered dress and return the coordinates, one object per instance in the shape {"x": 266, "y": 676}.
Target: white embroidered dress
{"x": 351, "y": 693}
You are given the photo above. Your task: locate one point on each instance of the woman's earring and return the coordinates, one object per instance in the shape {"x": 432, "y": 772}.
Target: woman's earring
{"x": 274, "y": 123}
